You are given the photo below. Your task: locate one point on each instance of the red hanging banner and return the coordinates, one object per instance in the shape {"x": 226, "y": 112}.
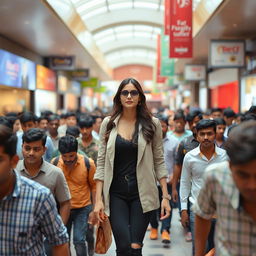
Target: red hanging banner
{"x": 159, "y": 78}
{"x": 181, "y": 42}
{"x": 167, "y": 21}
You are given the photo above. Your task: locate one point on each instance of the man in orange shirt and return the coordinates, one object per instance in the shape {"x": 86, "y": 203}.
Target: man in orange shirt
{"x": 82, "y": 188}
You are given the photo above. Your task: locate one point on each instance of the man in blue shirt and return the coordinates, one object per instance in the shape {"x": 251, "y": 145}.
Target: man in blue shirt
{"x": 28, "y": 211}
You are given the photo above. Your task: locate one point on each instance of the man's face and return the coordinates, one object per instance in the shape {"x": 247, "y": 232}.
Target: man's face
{"x": 28, "y": 125}
{"x": 71, "y": 121}
{"x": 70, "y": 158}
{"x": 7, "y": 163}
{"x": 164, "y": 128}
{"x": 179, "y": 125}
{"x": 195, "y": 120}
{"x": 220, "y": 129}
{"x": 43, "y": 124}
{"x": 216, "y": 114}
{"x": 97, "y": 124}
{"x": 86, "y": 132}
{"x": 33, "y": 152}
{"x": 244, "y": 176}
{"x": 229, "y": 120}
{"x": 16, "y": 125}
{"x": 206, "y": 137}
{"x": 53, "y": 126}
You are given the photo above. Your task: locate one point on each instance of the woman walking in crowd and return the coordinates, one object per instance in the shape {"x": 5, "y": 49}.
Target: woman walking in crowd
{"x": 130, "y": 161}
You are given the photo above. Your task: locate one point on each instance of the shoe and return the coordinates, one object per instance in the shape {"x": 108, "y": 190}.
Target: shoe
{"x": 188, "y": 237}
{"x": 153, "y": 234}
{"x": 166, "y": 237}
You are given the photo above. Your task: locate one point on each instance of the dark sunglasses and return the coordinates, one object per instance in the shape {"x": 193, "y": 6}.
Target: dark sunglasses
{"x": 133, "y": 93}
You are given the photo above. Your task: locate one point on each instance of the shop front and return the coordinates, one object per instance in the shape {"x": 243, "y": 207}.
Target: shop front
{"x": 45, "y": 95}
{"x": 224, "y": 88}
{"x": 248, "y": 92}
{"x": 17, "y": 83}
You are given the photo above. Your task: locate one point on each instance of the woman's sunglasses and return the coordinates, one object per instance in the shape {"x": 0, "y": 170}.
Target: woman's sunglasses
{"x": 133, "y": 93}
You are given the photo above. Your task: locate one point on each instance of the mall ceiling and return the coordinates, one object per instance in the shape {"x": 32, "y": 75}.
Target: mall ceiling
{"x": 124, "y": 31}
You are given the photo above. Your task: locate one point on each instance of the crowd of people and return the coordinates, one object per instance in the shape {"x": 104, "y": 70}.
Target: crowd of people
{"x": 63, "y": 173}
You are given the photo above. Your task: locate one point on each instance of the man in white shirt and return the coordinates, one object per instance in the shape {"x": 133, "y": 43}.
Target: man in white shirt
{"x": 193, "y": 169}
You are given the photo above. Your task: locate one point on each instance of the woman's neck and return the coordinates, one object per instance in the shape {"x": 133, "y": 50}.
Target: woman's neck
{"x": 129, "y": 114}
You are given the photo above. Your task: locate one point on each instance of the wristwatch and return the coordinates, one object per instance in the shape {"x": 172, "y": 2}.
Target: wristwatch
{"x": 168, "y": 197}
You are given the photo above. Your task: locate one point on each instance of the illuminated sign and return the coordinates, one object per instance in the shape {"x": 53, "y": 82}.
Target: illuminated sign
{"x": 227, "y": 53}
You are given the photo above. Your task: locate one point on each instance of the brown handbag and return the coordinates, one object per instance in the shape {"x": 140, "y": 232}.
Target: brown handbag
{"x": 211, "y": 252}
{"x": 103, "y": 237}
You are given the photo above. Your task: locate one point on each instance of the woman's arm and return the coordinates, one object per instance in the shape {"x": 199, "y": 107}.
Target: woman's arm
{"x": 165, "y": 204}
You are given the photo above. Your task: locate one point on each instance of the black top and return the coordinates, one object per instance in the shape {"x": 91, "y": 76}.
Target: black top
{"x": 125, "y": 157}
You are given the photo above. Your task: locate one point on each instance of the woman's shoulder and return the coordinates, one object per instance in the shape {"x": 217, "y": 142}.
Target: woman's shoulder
{"x": 155, "y": 120}
{"x": 106, "y": 119}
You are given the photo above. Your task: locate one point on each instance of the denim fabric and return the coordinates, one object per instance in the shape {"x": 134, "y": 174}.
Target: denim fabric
{"x": 78, "y": 218}
{"x": 128, "y": 222}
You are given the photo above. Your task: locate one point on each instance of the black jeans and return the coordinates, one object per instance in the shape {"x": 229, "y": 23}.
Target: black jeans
{"x": 128, "y": 222}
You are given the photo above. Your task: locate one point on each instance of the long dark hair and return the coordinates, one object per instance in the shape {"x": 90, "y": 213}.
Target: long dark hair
{"x": 144, "y": 117}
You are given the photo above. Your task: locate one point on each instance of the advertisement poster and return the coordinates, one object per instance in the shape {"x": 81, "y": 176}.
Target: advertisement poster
{"x": 16, "y": 71}
{"x": 195, "y": 72}
{"x": 181, "y": 42}
{"x": 45, "y": 78}
{"x": 227, "y": 53}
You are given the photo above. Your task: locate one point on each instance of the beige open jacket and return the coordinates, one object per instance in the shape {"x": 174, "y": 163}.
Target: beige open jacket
{"x": 150, "y": 165}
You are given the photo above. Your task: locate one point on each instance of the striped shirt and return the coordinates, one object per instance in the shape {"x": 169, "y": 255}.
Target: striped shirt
{"x": 235, "y": 233}
{"x": 27, "y": 215}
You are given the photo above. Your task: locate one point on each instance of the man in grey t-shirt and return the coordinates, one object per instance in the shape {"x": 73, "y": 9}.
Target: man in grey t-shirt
{"x": 34, "y": 167}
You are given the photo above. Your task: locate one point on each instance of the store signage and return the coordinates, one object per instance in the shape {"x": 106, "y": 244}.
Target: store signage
{"x": 195, "y": 72}
{"x": 45, "y": 78}
{"x": 181, "y": 41}
{"x": 227, "y": 53}
{"x": 159, "y": 78}
{"x": 80, "y": 75}
{"x": 167, "y": 64}
{"x": 16, "y": 71}
{"x": 61, "y": 62}
{"x": 92, "y": 82}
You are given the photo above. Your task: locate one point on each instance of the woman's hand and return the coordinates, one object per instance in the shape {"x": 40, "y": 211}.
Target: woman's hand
{"x": 99, "y": 211}
{"x": 165, "y": 209}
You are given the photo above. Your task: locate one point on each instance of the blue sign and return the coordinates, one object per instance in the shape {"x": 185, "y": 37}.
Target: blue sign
{"x": 16, "y": 71}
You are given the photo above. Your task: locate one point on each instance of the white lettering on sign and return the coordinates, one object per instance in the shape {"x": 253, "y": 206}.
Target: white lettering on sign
{"x": 183, "y": 3}
{"x": 181, "y": 29}
{"x": 181, "y": 49}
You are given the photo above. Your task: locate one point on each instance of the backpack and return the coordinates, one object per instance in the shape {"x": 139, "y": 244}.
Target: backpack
{"x": 86, "y": 162}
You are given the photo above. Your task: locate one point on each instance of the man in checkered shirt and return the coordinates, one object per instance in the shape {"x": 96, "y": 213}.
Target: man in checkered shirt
{"x": 28, "y": 212}
{"x": 229, "y": 192}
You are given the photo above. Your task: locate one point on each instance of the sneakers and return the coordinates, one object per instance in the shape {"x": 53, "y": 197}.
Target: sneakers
{"x": 153, "y": 234}
{"x": 166, "y": 237}
{"x": 188, "y": 237}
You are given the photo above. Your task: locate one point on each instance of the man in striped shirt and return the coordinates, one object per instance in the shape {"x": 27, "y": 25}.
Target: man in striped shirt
{"x": 229, "y": 190}
{"x": 27, "y": 209}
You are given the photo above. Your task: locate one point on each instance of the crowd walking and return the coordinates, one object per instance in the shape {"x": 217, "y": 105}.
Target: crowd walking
{"x": 66, "y": 174}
